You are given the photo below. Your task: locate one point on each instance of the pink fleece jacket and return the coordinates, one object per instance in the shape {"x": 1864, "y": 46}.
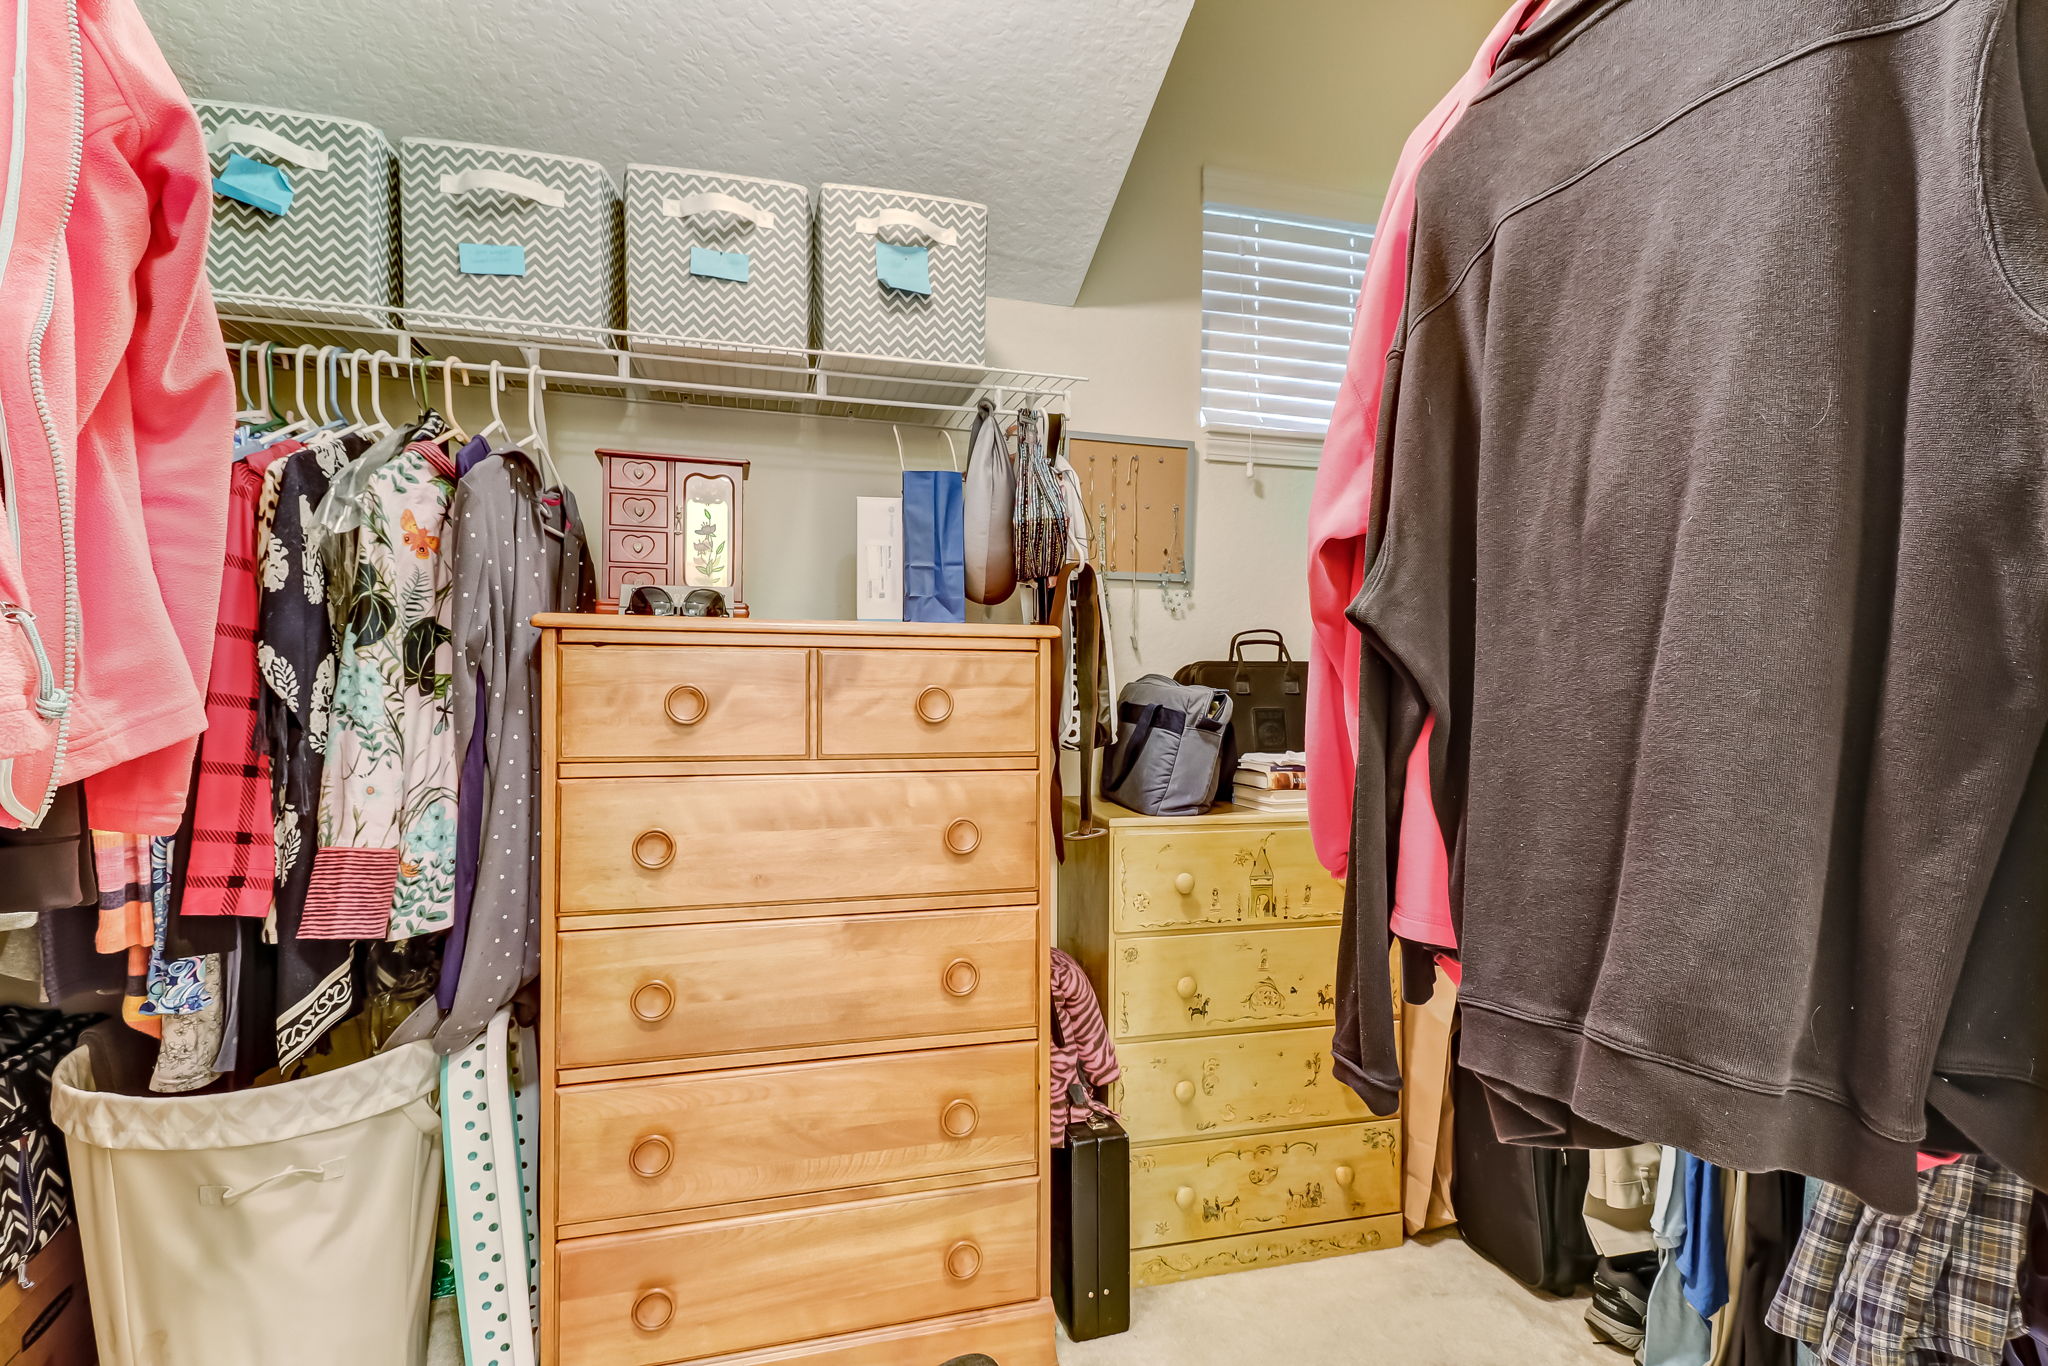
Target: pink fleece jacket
{"x": 1336, "y": 530}
{"x": 116, "y": 404}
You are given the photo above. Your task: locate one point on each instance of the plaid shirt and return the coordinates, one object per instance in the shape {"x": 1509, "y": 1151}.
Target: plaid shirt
{"x": 233, "y": 860}
{"x": 1939, "y": 1286}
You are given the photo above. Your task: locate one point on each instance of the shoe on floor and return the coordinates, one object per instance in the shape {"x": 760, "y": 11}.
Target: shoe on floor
{"x": 1621, "y": 1299}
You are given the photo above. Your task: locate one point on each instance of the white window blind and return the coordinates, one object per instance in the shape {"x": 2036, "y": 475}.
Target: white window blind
{"x": 1278, "y": 295}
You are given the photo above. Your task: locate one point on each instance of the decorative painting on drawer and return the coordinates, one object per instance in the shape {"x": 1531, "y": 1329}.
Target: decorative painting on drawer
{"x": 673, "y": 519}
{"x": 1222, "y": 875}
{"x": 1200, "y": 984}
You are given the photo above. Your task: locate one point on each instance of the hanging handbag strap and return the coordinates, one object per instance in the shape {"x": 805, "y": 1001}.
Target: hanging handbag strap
{"x": 1076, "y": 587}
{"x": 1088, "y": 646}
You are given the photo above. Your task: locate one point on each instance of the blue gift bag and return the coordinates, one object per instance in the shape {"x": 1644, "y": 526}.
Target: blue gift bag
{"x": 934, "y": 546}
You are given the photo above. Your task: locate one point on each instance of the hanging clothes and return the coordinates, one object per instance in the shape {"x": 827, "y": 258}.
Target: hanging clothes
{"x": 1709, "y": 570}
{"x": 119, "y": 405}
{"x": 506, "y": 570}
{"x": 232, "y": 862}
{"x": 127, "y": 918}
{"x": 385, "y": 867}
{"x": 1339, "y": 516}
{"x": 299, "y": 656}
{"x": 1942, "y": 1284}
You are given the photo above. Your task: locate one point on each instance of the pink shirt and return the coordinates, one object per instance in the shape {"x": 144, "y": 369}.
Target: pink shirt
{"x": 1337, "y": 525}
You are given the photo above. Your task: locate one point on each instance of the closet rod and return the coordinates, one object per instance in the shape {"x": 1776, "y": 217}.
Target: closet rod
{"x": 595, "y": 383}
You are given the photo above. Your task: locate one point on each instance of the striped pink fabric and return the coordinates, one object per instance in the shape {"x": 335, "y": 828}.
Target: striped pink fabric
{"x": 1081, "y": 1050}
{"x": 350, "y": 895}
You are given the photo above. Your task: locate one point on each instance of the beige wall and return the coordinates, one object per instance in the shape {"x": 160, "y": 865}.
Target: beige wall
{"x": 1316, "y": 93}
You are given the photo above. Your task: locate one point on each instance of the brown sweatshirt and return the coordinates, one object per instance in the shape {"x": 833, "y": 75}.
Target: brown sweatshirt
{"x": 1714, "y": 473}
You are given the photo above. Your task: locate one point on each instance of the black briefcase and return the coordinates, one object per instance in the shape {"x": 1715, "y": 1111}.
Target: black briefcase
{"x": 1091, "y": 1227}
{"x": 1269, "y": 714}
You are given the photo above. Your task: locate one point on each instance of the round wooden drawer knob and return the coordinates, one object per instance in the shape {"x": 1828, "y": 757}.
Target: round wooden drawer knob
{"x": 653, "y": 1310}
{"x": 654, "y": 849}
{"x": 1184, "y": 1091}
{"x": 934, "y": 705}
{"x": 963, "y": 836}
{"x": 960, "y": 978}
{"x": 1185, "y": 1197}
{"x": 1344, "y": 1176}
{"x": 1184, "y": 883}
{"x": 651, "y": 1156}
{"x": 959, "y": 1119}
{"x": 686, "y": 704}
{"x": 652, "y": 1001}
{"x": 1186, "y": 987}
{"x": 963, "y": 1261}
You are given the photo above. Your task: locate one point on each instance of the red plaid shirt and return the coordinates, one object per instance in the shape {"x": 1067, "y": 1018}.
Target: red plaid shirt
{"x": 233, "y": 860}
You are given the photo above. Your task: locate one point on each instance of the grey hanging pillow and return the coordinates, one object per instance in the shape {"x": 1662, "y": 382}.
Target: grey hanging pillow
{"x": 991, "y": 495}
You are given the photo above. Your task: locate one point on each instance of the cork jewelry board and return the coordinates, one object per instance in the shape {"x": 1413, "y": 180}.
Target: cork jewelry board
{"x": 1140, "y": 497}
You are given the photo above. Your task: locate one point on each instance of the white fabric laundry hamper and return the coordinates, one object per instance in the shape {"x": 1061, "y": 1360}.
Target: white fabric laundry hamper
{"x": 290, "y": 1223}
{"x": 856, "y": 313}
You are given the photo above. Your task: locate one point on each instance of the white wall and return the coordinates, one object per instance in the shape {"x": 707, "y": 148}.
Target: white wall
{"x": 1310, "y": 93}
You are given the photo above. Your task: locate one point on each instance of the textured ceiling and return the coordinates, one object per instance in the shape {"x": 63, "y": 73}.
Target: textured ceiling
{"x": 1033, "y": 109}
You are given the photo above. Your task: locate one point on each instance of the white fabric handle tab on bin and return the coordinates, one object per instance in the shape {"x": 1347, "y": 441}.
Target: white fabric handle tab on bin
{"x": 263, "y": 140}
{"x": 229, "y": 1195}
{"x": 477, "y": 178}
{"x": 906, "y": 218}
{"x": 710, "y": 201}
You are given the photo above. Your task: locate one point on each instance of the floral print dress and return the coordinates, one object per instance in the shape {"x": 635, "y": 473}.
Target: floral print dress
{"x": 386, "y": 865}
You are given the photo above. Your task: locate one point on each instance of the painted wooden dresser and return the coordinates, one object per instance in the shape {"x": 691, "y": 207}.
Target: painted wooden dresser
{"x": 1212, "y": 941}
{"x": 794, "y": 993}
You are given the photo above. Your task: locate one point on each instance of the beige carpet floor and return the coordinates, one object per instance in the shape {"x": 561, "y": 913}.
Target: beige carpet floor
{"x": 1430, "y": 1302}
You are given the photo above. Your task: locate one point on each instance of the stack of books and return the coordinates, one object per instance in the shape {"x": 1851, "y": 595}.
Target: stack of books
{"x": 1271, "y": 782}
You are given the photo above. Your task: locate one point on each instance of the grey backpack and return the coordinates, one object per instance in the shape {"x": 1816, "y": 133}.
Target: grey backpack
{"x": 1169, "y": 747}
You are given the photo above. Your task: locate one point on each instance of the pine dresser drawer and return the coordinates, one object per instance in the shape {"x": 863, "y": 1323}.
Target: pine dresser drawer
{"x": 886, "y": 703}
{"x": 660, "y": 702}
{"x": 1219, "y": 875}
{"x": 1016, "y": 1335}
{"x": 668, "y": 1295}
{"x": 681, "y": 991}
{"x": 642, "y": 1147}
{"x": 1214, "y": 1188}
{"x": 654, "y": 843}
{"x": 1203, "y": 983}
{"x": 1235, "y": 1083}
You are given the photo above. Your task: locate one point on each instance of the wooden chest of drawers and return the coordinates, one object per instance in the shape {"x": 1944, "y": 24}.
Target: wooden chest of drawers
{"x": 794, "y": 993}
{"x": 1212, "y": 941}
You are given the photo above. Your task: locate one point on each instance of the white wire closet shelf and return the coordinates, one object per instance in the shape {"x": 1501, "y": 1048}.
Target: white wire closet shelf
{"x": 670, "y": 369}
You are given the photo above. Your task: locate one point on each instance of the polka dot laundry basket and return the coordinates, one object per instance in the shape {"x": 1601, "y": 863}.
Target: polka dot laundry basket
{"x": 488, "y": 1142}
{"x": 289, "y": 1223}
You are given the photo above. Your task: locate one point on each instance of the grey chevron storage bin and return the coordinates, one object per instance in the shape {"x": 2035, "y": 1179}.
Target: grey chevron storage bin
{"x": 558, "y": 216}
{"x": 854, "y": 312}
{"x": 333, "y": 256}
{"x": 670, "y": 213}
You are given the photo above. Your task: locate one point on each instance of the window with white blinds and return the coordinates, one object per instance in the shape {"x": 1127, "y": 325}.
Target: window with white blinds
{"x": 1278, "y": 294}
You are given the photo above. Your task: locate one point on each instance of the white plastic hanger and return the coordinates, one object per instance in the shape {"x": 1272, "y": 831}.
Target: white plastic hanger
{"x": 536, "y": 442}
{"x": 252, "y": 411}
{"x": 305, "y": 421}
{"x": 496, "y": 426}
{"x": 383, "y": 427}
{"x": 454, "y": 436}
